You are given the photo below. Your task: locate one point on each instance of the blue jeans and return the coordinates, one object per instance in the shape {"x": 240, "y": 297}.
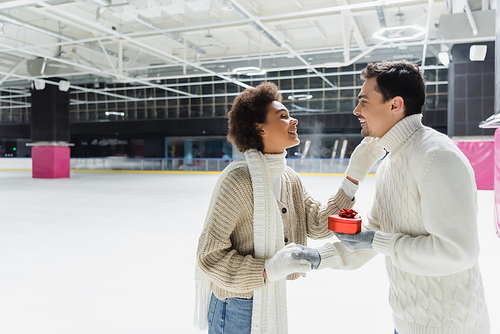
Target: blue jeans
{"x": 230, "y": 315}
{"x": 396, "y": 332}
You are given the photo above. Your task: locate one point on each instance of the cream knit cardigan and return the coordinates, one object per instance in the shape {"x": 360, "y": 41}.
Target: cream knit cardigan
{"x": 227, "y": 250}
{"x": 425, "y": 215}
{"x": 269, "y": 313}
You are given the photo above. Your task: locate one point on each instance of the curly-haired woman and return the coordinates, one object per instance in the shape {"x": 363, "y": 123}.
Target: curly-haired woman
{"x": 259, "y": 215}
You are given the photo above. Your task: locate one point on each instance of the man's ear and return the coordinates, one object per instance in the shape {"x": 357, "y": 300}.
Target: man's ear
{"x": 398, "y": 105}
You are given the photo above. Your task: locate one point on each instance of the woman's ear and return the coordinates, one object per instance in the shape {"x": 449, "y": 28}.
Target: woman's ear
{"x": 259, "y": 128}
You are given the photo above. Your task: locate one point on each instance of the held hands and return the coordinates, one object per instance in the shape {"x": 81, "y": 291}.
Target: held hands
{"x": 365, "y": 155}
{"x": 361, "y": 240}
{"x": 283, "y": 264}
{"x": 309, "y": 254}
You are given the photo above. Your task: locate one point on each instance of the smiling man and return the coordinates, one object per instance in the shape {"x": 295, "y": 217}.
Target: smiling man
{"x": 424, "y": 214}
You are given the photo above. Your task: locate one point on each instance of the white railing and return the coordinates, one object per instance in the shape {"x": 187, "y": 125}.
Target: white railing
{"x": 202, "y": 165}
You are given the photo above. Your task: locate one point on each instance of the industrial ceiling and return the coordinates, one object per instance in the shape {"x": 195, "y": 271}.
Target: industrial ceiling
{"x": 146, "y": 41}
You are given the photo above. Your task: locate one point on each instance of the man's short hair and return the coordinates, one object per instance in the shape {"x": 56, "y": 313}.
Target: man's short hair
{"x": 250, "y": 108}
{"x": 398, "y": 78}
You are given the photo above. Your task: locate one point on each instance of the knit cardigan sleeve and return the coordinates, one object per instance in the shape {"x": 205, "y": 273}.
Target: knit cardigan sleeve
{"x": 217, "y": 257}
{"x": 449, "y": 208}
{"x": 317, "y": 214}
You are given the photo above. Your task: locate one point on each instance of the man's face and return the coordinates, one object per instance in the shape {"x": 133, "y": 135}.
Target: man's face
{"x": 375, "y": 115}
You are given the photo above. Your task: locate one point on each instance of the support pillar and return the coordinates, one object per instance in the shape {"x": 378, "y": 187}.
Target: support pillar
{"x": 50, "y": 161}
{"x": 50, "y": 151}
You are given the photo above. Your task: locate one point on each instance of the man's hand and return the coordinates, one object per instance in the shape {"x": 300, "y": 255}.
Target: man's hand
{"x": 365, "y": 155}
{"x": 362, "y": 240}
{"x": 309, "y": 254}
{"x": 283, "y": 264}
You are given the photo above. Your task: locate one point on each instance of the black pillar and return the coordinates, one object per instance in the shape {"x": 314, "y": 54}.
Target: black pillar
{"x": 49, "y": 114}
{"x": 471, "y": 91}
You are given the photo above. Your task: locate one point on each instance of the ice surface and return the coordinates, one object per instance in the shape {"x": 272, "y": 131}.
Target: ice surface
{"x": 114, "y": 253}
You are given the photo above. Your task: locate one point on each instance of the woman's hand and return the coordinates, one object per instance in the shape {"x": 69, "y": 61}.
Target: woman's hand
{"x": 283, "y": 264}
{"x": 365, "y": 155}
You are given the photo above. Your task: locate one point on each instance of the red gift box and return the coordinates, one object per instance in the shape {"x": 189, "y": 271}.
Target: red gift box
{"x": 348, "y": 221}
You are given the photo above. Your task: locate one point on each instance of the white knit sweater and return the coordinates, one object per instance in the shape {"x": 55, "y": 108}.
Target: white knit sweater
{"x": 425, "y": 216}
{"x": 425, "y": 210}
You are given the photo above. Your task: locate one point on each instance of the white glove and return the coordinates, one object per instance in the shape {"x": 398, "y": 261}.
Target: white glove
{"x": 365, "y": 155}
{"x": 283, "y": 264}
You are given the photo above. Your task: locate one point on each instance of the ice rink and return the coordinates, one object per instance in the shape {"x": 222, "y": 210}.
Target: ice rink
{"x": 114, "y": 253}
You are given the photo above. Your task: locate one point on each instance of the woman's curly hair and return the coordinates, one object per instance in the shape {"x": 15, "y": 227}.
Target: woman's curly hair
{"x": 250, "y": 108}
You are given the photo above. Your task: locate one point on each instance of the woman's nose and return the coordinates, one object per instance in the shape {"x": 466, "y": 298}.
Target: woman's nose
{"x": 294, "y": 120}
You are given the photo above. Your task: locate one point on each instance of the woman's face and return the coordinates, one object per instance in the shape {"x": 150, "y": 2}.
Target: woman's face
{"x": 279, "y": 132}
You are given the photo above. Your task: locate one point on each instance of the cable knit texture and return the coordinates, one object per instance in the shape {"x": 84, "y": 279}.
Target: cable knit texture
{"x": 425, "y": 211}
{"x": 227, "y": 248}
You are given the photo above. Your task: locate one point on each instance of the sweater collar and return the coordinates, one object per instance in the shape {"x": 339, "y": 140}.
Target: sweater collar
{"x": 276, "y": 163}
{"x": 400, "y": 132}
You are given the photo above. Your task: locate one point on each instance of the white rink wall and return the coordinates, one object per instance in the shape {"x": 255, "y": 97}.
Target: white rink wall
{"x": 15, "y": 163}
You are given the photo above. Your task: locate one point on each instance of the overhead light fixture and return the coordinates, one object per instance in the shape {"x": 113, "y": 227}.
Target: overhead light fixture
{"x": 478, "y": 52}
{"x": 251, "y": 70}
{"x": 39, "y": 84}
{"x": 444, "y": 58}
{"x": 63, "y": 85}
{"x": 383, "y": 34}
{"x": 300, "y": 97}
{"x": 115, "y": 113}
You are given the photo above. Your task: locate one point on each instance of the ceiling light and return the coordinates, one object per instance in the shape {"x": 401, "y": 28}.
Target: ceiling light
{"x": 39, "y": 84}
{"x": 252, "y": 70}
{"x": 115, "y": 113}
{"x": 300, "y": 97}
{"x": 63, "y": 85}
{"x": 382, "y": 34}
{"x": 477, "y": 52}
{"x": 444, "y": 58}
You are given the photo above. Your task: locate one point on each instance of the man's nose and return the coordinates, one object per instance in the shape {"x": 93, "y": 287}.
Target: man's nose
{"x": 356, "y": 111}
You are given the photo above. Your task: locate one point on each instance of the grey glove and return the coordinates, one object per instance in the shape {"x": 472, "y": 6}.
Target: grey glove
{"x": 309, "y": 254}
{"x": 361, "y": 240}
{"x": 282, "y": 264}
{"x": 365, "y": 155}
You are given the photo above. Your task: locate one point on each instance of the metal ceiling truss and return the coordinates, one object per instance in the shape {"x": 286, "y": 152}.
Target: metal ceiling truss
{"x": 262, "y": 24}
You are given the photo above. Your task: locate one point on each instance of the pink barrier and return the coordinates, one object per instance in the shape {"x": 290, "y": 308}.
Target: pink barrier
{"x": 50, "y": 161}
{"x": 497, "y": 181}
{"x": 481, "y": 155}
